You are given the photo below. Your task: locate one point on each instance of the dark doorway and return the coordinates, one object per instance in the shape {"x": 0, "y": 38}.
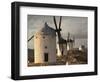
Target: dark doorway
{"x": 46, "y": 57}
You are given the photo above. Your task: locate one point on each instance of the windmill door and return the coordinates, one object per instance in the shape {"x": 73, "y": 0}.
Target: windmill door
{"x": 46, "y": 57}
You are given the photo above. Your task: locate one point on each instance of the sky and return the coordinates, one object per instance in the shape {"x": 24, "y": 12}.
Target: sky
{"x": 77, "y": 26}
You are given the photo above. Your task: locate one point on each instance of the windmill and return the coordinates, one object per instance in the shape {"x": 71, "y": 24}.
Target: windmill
{"x": 70, "y": 41}
{"x": 62, "y": 43}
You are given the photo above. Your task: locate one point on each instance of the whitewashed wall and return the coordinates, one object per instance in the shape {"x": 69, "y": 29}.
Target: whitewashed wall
{"x": 39, "y": 48}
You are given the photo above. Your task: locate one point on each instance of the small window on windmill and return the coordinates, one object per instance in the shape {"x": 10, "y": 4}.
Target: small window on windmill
{"x": 43, "y": 37}
{"x": 42, "y": 31}
{"x": 36, "y": 37}
{"x": 45, "y": 47}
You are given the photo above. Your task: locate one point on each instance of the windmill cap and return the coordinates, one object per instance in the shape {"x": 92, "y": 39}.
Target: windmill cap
{"x": 47, "y": 30}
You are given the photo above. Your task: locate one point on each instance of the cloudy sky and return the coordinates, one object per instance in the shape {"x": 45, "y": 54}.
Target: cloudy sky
{"x": 77, "y": 26}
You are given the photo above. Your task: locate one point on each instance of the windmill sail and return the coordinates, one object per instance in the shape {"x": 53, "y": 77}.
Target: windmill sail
{"x": 61, "y": 41}
{"x": 60, "y": 22}
{"x": 55, "y": 22}
{"x": 30, "y": 38}
{"x": 57, "y": 29}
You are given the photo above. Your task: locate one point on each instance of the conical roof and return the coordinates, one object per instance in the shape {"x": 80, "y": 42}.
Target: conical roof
{"x": 47, "y": 30}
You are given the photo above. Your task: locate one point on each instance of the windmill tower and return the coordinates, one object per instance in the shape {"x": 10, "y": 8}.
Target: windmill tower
{"x": 70, "y": 42}
{"x": 62, "y": 44}
{"x": 45, "y": 45}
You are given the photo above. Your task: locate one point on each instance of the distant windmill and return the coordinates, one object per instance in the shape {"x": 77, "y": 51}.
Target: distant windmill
{"x": 70, "y": 42}
{"x": 62, "y": 44}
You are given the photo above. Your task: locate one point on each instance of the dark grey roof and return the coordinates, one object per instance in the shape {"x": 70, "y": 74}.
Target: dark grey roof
{"x": 47, "y": 30}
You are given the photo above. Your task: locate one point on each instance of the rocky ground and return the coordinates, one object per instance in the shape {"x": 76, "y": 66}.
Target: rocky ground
{"x": 77, "y": 57}
{"x": 73, "y": 57}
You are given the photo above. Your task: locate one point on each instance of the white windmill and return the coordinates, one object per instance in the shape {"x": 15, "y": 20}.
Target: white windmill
{"x": 45, "y": 45}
